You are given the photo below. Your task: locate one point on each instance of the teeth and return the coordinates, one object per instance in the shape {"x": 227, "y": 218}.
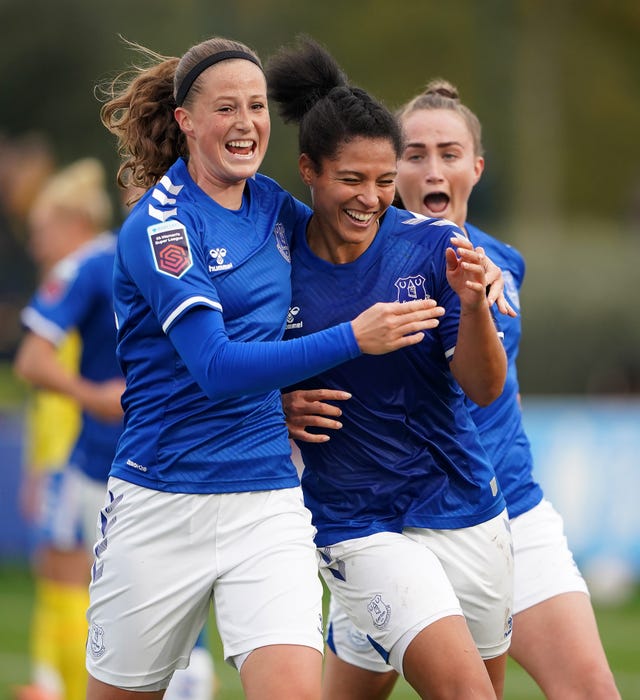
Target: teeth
{"x": 359, "y": 216}
{"x": 241, "y": 144}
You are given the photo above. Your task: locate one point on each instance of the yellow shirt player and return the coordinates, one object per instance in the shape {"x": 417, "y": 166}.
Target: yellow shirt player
{"x": 53, "y": 420}
{"x": 58, "y": 625}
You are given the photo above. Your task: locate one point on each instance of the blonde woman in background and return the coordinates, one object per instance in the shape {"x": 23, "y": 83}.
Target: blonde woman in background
{"x": 69, "y": 225}
{"x": 67, "y": 214}
{"x": 58, "y": 627}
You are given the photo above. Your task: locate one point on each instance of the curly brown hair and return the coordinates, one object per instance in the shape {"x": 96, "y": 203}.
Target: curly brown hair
{"x": 139, "y": 106}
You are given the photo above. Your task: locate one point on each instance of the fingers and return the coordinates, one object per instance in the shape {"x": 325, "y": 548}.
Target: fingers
{"x": 315, "y": 421}
{"x": 315, "y": 395}
{"x": 413, "y": 317}
{"x": 504, "y": 307}
{"x": 302, "y": 435}
{"x": 421, "y": 320}
{"x": 464, "y": 249}
{"x": 494, "y": 294}
{"x": 470, "y": 261}
{"x": 407, "y": 340}
{"x": 298, "y": 427}
{"x": 410, "y": 330}
{"x": 409, "y": 307}
{"x": 428, "y": 311}
{"x": 319, "y": 415}
{"x": 472, "y": 257}
{"x": 475, "y": 286}
{"x": 379, "y": 328}
{"x": 461, "y": 242}
{"x": 451, "y": 259}
{"x": 304, "y": 402}
{"x": 419, "y": 308}
{"x": 306, "y": 408}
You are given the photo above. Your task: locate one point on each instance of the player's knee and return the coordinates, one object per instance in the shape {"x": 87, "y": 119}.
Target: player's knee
{"x": 593, "y": 681}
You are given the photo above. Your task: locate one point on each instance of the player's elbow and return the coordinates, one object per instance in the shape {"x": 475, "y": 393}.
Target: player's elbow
{"x": 492, "y": 386}
{"x": 22, "y": 367}
{"x": 487, "y": 394}
{"x": 484, "y": 386}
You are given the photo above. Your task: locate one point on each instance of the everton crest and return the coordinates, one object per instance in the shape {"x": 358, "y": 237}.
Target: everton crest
{"x": 411, "y": 288}
{"x": 95, "y": 641}
{"x": 380, "y": 612}
{"x": 281, "y": 242}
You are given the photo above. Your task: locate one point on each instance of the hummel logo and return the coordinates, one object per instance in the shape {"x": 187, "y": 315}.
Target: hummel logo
{"x": 291, "y": 318}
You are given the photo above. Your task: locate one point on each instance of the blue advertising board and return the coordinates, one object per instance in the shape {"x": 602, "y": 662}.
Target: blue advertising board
{"x": 587, "y": 459}
{"x": 586, "y": 455}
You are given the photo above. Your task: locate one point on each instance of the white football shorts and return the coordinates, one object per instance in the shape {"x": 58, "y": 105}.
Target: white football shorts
{"x": 432, "y": 571}
{"x": 70, "y": 504}
{"x": 544, "y": 565}
{"x": 164, "y": 557}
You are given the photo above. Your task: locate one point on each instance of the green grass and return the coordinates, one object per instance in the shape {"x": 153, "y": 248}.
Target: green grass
{"x": 12, "y": 391}
{"x": 619, "y": 628}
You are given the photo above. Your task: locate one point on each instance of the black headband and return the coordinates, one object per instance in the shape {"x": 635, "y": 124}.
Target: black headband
{"x": 191, "y": 76}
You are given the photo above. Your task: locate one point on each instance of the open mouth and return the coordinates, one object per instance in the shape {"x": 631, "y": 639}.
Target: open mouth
{"x": 436, "y": 202}
{"x": 360, "y": 216}
{"x": 241, "y": 148}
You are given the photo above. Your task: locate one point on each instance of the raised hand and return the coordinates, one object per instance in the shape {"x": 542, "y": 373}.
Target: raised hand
{"x": 385, "y": 327}
{"x": 494, "y": 280}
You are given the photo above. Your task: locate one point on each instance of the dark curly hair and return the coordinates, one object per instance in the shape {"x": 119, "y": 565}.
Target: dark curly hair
{"x": 311, "y": 90}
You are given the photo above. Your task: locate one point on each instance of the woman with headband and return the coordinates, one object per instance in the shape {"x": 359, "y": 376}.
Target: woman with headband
{"x": 204, "y": 503}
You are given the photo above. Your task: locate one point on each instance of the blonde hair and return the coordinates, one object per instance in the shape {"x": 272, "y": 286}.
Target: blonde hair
{"x": 79, "y": 189}
{"x": 441, "y": 94}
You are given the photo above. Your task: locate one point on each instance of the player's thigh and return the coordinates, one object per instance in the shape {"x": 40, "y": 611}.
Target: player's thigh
{"x": 543, "y": 563}
{"x": 390, "y": 588}
{"x": 342, "y": 680}
{"x": 151, "y": 584}
{"x": 557, "y": 643}
{"x": 269, "y": 590}
{"x": 443, "y": 662}
{"x": 440, "y": 659}
{"x": 59, "y": 553}
{"x": 59, "y": 523}
{"x": 282, "y": 672}
{"x": 478, "y": 561}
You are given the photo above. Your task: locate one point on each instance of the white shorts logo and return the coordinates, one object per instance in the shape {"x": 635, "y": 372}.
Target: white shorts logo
{"x": 96, "y": 641}
{"x": 508, "y": 626}
{"x": 380, "y": 612}
{"x": 358, "y": 639}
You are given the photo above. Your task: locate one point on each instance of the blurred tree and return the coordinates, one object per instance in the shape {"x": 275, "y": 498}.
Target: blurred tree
{"x": 555, "y": 84}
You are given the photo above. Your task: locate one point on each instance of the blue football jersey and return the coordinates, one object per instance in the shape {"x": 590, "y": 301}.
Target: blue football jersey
{"x": 177, "y": 250}
{"x": 77, "y": 294}
{"x": 500, "y": 424}
{"x": 408, "y": 453}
